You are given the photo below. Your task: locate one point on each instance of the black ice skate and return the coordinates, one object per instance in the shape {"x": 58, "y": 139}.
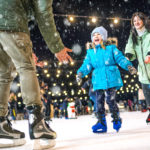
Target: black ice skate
{"x": 10, "y": 136}
{"x": 148, "y": 119}
{"x": 39, "y": 129}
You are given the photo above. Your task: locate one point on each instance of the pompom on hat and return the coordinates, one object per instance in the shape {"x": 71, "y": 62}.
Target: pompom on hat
{"x": 102, "y": 31}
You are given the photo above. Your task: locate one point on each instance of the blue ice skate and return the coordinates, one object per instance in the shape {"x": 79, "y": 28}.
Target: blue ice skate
{"x": 116, "y": 121}
{"x": 101, "y": 125}
{"x": 117, "y": 124}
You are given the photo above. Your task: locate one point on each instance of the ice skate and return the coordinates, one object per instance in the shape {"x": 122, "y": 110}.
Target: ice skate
{"x": 116, "y": 121}
{"x": 39, "y": 130}
{"x": 148, "y": 119}
{"x": 10, "y": 137}
{"x": 101, "y": 125}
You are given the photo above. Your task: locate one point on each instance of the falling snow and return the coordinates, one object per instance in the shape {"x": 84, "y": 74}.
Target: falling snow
{"x": 76, "y": 49}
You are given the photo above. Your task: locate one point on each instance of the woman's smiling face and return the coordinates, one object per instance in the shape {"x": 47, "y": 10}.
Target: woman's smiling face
{"x": 97, "y": 38}
{"x": 138, "y": 23}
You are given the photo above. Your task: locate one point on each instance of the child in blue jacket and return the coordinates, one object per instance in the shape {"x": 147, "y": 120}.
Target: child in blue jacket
{"x": 102, "y": 60}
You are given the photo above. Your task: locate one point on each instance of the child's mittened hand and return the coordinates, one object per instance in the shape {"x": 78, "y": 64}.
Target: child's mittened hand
{"x": 147, "y": 59}
{"x": 132, "y": 70}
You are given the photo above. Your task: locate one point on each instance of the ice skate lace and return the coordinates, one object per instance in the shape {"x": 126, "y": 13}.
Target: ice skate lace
{"x": 9, "y": 124}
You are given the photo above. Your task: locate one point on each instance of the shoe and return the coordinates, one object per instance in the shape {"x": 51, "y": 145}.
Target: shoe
{"x": 38, "y": 128}
{"x": 15, "y": 137}
{"x": 101, "y": 125}
{"x": 117, "y": 121}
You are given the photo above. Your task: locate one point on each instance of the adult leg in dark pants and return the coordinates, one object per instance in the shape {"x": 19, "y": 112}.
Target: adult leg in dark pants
{"x": 146, "y": 91}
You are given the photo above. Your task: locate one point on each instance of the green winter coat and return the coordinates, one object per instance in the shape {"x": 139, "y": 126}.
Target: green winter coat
{"x": 15, "y": 14}
{"x": 139, "y": 52}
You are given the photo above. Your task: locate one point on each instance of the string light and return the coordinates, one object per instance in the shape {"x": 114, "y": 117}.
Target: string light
{"x": 71, "y": 18}
{"x": 92, "y": 17}
{"x": 45, "y": 63}
{"x": 45, "y": 71}
{"x": 116, "y": 21}
{"x": 48, "y": 75}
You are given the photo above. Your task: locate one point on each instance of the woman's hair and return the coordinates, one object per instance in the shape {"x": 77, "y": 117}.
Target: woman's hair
{"x": 146, "y": 23}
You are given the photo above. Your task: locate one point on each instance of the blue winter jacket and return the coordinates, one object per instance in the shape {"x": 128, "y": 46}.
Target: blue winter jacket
{"x": 104, "y": 62}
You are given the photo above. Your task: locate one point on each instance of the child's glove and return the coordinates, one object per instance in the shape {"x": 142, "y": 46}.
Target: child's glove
{"x": 147, "y": 59}
{"x": 132, "y": 70}
{"x": 79, "y": 77}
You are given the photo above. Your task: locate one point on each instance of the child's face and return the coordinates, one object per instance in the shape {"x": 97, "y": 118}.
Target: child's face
{"x": 138, "y": 23}
{"x": 97, "y": 38}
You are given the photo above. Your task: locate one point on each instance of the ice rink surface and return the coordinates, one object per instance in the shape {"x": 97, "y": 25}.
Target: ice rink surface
{"x": 76, "y": 134}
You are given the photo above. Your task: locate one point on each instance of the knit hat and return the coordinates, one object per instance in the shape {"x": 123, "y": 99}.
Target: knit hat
{"x": 102, "y": 31}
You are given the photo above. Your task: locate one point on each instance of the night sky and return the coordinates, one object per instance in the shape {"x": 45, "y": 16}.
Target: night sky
{"x": 79, "y": 31}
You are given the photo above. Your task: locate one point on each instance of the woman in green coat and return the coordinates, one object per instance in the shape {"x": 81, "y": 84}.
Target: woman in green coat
{"x": 138, "y": 47}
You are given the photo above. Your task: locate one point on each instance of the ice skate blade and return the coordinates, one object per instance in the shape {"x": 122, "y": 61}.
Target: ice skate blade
{"x": 4, "y": 143}
{"x": 40, "y": 144}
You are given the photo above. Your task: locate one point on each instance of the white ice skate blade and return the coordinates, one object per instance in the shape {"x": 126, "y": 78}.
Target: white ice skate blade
{"x": 40, "y": 144}
{"x": 4, "y": 143}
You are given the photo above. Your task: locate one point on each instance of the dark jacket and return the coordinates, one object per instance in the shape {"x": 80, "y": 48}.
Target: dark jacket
{"x": 15, "y": 14}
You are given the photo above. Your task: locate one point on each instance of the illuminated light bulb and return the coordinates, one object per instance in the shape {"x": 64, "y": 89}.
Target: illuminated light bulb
{"x": 72, "y": 63}
{"x": 45, "y": 63}
{"x": 67, "y": 76}
{"x": 116, "y": 20}
{"x": 94, "y": 19}
{"x": 58, "y": 71}
{"x": 45, "y": 71}
{"x": 86, "y": 76}
{"x": 71, "y": 18}
{"x": 49, "y": 93}
{"x": 60, "y": 63}
{"x": 48, "y": 75}
{"x": 18, "y": 84}
{"x": 19, "y": 94}
{"x": 57, "y": 75}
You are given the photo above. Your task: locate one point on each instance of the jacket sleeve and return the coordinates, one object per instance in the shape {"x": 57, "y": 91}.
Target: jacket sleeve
{"x": 44, "y": 17}
{"x": 129, "y": 50}
{"x": 86, "y": 67}
{"x": 120, "y": 59}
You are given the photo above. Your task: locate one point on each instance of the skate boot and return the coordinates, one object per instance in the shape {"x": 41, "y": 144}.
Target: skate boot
{"x": 101, "y": 125}
{"x": 116, "y": 121}
{"x": 39, "y": 130}
{"x": 148, "y": 118}
{"x": 10, "y": 137}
